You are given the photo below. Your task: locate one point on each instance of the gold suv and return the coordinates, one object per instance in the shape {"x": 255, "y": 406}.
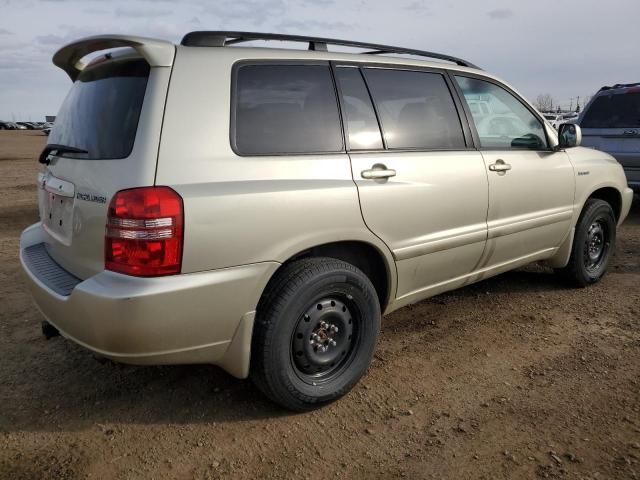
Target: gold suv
{"x": 260, "y": 209}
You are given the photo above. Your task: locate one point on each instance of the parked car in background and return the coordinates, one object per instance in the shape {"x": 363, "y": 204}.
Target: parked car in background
{"x": 5, "y": 125}
{"x": 479, "y": 107}
{"x": 269, "y": 235}
{"x": 553, "y": 119}
{"x": 29, "y": 125}
{"x": 611, "y": 122}
{"x": 571, "y": 117}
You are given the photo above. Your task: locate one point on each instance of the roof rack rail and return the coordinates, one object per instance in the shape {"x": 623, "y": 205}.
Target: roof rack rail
{"x": 223, "y": 38}
{"x": 620, "y": 85}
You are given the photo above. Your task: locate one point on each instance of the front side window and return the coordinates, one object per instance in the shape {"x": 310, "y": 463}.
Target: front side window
{"x": 286, "y": 109}
{"x": 416, "y": 109}
{"x": 504, "y": 122}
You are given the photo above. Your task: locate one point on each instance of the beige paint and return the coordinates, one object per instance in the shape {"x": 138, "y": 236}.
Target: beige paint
{"x": 443, "y": 221}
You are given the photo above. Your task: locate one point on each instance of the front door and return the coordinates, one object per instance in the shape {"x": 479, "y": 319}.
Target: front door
{"x": 531, "y": 187}
{"x": 422, "y": 191}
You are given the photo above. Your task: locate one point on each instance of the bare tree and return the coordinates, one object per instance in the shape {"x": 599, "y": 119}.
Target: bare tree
{"x": 544, "y": 102}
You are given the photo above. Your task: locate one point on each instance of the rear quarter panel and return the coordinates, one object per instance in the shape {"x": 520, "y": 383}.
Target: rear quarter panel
{"x": 241, "y": 210}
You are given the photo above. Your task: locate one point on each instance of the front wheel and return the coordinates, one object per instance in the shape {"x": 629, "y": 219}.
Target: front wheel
{"x": 315, "y": 333}
{"x": 593, "y": 244}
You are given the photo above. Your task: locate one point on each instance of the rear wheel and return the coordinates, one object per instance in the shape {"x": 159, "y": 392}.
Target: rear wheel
{"x": 315, "y": 333}
{"x": 593, "y": 244}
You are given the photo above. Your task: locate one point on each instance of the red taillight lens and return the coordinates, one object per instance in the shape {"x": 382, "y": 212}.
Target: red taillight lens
{"x": 144, "y": 232}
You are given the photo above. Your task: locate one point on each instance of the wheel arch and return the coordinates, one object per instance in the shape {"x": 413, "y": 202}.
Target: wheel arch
{"x": 376, "y": 264}
{"x": 609, "y": 194}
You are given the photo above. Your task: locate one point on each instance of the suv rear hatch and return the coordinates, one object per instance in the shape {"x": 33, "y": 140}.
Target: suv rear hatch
{"x": 105, "y": 139}
{"x": 611, "y": 123}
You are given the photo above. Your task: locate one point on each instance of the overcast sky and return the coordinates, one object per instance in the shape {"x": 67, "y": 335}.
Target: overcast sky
{"x": 562, "y": 47}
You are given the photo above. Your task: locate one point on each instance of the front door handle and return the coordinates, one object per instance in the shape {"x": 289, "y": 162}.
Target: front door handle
{"x": 377, "y": 172}
{"x": 500, "y": 166}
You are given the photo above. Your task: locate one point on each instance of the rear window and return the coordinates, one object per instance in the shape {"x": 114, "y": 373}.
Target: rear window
{"x": 614, "y": 110}
{"x": 101, "y": 111}
{"x": 416, "y": 110}
{"x": 284, "y": 109}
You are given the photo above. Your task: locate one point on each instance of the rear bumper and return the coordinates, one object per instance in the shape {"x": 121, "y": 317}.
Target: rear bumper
{"x": 202, "y": 317}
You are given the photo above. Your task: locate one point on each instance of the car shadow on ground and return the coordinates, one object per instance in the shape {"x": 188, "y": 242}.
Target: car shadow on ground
{"x": 74, "y": 390}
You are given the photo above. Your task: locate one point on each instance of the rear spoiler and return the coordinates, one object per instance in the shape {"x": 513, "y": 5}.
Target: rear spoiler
{"x": 157, "y": 53}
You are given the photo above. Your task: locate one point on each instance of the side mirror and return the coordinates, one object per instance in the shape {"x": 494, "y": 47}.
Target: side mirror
{"x": 569, "y": 135}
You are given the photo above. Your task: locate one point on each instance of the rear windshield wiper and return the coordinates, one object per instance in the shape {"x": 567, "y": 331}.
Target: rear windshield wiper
{"x": 54, "y": 147}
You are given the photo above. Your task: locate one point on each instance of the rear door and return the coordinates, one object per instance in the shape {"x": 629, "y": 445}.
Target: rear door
{"x": 531, "y": 187}
{"x": 422, "y": 189}
{"x": 105, "y": 139}
{"x": 611, "y": 123}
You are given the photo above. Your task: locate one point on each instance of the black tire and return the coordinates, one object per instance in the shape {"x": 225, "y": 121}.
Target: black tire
{"x": 593, "y": 244}
{"x": 315, "y": 333}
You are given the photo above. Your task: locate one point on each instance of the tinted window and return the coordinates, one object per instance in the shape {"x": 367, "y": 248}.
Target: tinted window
{"x": 101, "y": 111}
{"x": 362, "y": 125}
{"x": 505, "y": 122}
{"x": 416, "y": 109}
{"x": 615, "y": 110}
{"x": 286, "y": 109}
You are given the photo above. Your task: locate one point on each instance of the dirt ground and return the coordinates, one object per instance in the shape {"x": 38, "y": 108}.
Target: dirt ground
{"x": 515, "y": 377}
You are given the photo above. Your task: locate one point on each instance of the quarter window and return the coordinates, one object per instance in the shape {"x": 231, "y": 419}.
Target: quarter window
{"x": 502, "y": 121}
{"x": 286, "y": 109}
{"x": 360, "y": 117}
{"x": 416, "y": 110}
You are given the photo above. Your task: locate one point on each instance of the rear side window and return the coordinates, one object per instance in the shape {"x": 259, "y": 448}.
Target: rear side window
{"x": 285, "y": 109}
{"x": 416, "y": 110}
{"x": 101, "y": 111}
{"x": 360, "y": 118}
{"x": 615, "y": 110}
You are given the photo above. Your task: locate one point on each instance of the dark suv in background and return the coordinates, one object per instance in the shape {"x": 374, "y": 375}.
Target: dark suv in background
{"x": 611, "y": 122}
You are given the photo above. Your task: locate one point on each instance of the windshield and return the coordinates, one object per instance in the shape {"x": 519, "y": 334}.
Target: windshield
{"x": 101, "y": 111}
{"x": 619, "y": 110}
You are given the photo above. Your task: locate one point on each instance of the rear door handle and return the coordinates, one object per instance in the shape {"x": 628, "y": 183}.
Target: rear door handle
{"x": 500, "y": 166}
{"x": 377, "y": 172}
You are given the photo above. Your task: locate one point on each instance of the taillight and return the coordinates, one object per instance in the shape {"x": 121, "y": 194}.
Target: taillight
{"x": 144, "y": 232}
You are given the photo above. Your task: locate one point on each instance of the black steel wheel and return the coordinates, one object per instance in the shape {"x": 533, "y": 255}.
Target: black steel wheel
{"x": 596, "y": 245}
{"x": 315, "y": 333}
{"x": 593, "y": 244}
{"x": 325, "y": 339}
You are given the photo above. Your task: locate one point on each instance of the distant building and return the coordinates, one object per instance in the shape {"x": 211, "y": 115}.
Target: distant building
{"x": 50, "y": 118}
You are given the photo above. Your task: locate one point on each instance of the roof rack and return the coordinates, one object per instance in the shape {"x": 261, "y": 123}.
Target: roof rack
{"x": 224, "y": 38}
{"x": 620, "y": 85}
